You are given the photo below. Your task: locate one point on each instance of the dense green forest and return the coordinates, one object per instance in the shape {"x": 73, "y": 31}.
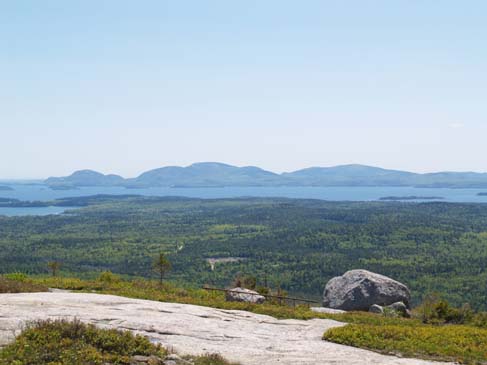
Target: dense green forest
{"x": 297, "y": 244}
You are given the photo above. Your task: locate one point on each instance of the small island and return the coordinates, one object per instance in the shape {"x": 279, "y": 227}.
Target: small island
{"x": 6, "y": 188}
{"x": 482, "y": 194}
{"x": 15, "y": 203}
{"x": 63, "y": 187}
{"x": 411, "y": 197}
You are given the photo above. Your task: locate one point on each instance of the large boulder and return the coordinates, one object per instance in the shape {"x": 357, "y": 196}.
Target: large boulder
{"x": 244, "y": 295}
{"x": 360, "y": 289}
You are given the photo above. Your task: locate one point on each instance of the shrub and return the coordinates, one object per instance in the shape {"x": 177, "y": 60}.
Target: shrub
{"x": 210, "y": 359}
{"x": 389, "y": 312}
{"x": 435, "y": 310}
{"x": 108, "y": 277}
{"x": 247, "y": 282}
{"x": 263, "y": 290}
{"x": 8, "y": 285}
{"x": 18, "y": 276}
{"x": 479, "y": 320}
{"x": 62, "y": 342}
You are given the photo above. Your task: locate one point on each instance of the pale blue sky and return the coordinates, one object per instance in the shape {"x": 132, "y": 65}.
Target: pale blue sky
{"x": 125, "y": 86}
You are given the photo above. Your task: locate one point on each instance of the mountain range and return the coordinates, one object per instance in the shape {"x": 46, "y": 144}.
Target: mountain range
{"x": 214, "y": 174}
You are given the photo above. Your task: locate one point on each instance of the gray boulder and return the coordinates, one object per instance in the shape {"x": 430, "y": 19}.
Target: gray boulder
{"x": 360, "y": 289}
{"x": 375, "y": 308}
{"x": 400, "y": 308}
{"x": 244, "y": 295}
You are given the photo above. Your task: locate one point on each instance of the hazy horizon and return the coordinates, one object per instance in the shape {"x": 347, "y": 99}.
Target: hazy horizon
{"x": 278, "y": 172}
{"x": 124, "y": 87}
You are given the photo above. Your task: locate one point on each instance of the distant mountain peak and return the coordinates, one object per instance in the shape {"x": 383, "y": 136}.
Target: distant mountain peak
{"x": 86, "y": 178}
{"x": 86, "y": 172}
{"x": 210, "y": 164}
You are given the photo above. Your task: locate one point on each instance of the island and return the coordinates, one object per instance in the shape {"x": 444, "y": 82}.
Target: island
{"x": 411, "y": 197}
{"x": 16, "y": 203}
{"x": 63, "y": 187}
{"x": 482, "y": 194}
{"x": 6, "y": 188}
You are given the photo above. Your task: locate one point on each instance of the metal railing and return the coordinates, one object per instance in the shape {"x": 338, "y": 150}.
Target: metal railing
{"x": 278, "y": 297}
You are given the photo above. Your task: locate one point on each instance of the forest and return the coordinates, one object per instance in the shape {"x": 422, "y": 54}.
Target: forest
{"x": 297, "y": 245}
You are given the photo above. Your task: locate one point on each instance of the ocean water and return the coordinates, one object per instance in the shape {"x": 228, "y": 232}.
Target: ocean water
{"x": 12, "y": 212}
{"x": 43, "y": 193}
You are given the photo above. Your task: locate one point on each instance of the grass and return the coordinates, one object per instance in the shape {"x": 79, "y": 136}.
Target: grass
{"x": 14, "y": 285}
{"x": 458, "y": 343}
{"x": 67, "y": 343}
{"x": 209, "y": 359}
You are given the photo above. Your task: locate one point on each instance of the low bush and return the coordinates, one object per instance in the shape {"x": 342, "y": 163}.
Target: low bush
{"x": 18, "y": 276}
{"x": 108, "y": 277}
{"x": 449, "y": 343}
{"x": 62, "y": 342}
{"x": 17, "y": 283}
{"x": 247, "y": 282}
{"x": 435, "y": 310}
{"x": 210, "y": 359}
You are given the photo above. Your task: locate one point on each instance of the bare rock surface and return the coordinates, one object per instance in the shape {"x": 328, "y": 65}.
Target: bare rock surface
{"x": 327, "y": 310}
{"x": 248, "y": 338}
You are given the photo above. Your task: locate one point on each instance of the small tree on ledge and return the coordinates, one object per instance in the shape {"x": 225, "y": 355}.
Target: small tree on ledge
{"x": 54, "y": 267}
{"x": 161, "y": 266}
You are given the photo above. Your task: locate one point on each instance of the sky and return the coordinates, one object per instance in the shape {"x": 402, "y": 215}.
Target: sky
{"x": 126, "y": 86}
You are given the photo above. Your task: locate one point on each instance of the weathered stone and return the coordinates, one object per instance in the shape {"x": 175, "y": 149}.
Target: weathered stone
{"x": 173, "y": 359}
{"x": 326, "y": 310}
{"x": 145, "y": 360}
{"x": 154, "y": 360}
{"x": 359, "y": 289}
{"x": 239, "y": 336}
{"x": 244, "y": 295}
{"x": 375, "y": 308}
{"x": 400, "y": 308}
{"x": 139, "y": 360}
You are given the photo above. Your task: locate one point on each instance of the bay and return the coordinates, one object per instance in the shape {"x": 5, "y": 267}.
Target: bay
{"x": 44, "y": 193}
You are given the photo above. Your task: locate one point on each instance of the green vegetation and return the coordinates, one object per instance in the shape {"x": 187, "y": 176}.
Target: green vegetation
{"x": 209, "y": 359}
{"x": 451, "y": 343}
{"x": 437, "y": 331}
{"x": 295, "y": 244}
{"x": 161, "y": 266}
{"x": 54, "y": 267}
{"x": 66, "y": 343}
{"x": 17, "y": 283}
